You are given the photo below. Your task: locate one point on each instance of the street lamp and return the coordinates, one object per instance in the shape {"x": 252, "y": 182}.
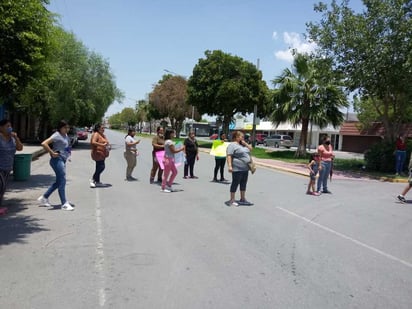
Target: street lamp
{"x": 171, "y": 72}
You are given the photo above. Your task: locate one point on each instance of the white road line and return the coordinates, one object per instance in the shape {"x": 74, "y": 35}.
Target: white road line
{"x": 100, "y": 253}
{"x": 359, "y": 243}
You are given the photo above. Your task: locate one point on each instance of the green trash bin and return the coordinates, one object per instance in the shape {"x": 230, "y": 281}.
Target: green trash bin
{"x": 22, "y": 166}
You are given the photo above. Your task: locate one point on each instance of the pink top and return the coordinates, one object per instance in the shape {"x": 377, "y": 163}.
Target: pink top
{"x": 326, "y": 153}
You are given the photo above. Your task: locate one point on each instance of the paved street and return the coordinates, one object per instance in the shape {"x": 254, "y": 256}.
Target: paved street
{"x": 130, "y": 246}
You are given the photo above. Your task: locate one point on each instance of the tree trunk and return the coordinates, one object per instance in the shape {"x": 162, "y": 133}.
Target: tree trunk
{"x": 226, "y": 123}
{"x": 301, "y": 151}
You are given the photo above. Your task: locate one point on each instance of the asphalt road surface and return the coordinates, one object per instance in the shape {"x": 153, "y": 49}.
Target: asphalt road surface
{"x": 128, "y": 245}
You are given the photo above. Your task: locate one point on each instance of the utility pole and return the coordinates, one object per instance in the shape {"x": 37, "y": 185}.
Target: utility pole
{"x": 254, "y": 117}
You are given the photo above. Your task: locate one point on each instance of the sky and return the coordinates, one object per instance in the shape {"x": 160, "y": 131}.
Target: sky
{"x": 142, "y": 38}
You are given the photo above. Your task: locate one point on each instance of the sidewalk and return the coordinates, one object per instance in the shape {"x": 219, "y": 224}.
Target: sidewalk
{"x": 34, "y": 150}
{"x": 296, "y": 168}
{"x": 301, "y": 169}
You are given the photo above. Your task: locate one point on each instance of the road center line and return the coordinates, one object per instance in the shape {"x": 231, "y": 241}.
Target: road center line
{"x": 359, "y": 243}
{"x": 100, "y": 253}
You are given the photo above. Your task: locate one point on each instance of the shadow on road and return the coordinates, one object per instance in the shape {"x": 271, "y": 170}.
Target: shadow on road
{"x": 35, "y": 181}
{"x": 14, "y": 227}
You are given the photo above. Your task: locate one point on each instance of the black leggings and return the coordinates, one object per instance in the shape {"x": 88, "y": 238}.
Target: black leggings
{"x": 100, "y": 166}
{"x": 190, "y": 164}
{"x": 239, "y": 178}
{"x": 220, "y": 164}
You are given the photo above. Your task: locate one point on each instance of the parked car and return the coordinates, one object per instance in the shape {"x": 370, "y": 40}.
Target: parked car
{"x": 278, "y": 140}
{"x": 73, "y": 136}
{"x": 82, "y": 134}
{"x": 213, "y": 136}
{"x": 260, "y": 138}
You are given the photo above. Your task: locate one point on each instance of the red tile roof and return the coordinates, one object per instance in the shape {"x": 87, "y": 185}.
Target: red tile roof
{"x": 353, "y": 128}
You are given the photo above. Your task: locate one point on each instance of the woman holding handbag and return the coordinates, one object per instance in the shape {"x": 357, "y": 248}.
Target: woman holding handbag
{"x": 100, "y": 151}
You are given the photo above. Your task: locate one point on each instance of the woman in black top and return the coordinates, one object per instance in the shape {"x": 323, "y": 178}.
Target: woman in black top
{"x": 192, "y": 154}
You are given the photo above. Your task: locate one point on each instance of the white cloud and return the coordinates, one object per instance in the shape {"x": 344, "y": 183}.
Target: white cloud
{"x": 294, "y": 41}
{"x": 274, "y": 35}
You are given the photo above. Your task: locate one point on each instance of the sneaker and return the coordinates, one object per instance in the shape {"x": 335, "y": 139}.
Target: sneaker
{"x": 231, "y": 203}
{"x": 169, "y": 188}
{"x": 185, "y": 177}
{"x": 194, "y": 177}
{"x": 326, "y": 191}
{"x": 165, "y": 190}
{"x": 214, "y": 180}
{"x": 92, "y": 184}
{"x": 151, "y": 181}
{"x": 315, "y": 193}
{"x": 245, "y": 203}
{"x": 67, "y": 206}
{"x": 223, "y": 179}
{"x": 402, "y": 199}
{"x": 44, "y": 201}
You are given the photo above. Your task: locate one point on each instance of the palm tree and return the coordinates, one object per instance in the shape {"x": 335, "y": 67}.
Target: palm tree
{"x": 306, "y": 93}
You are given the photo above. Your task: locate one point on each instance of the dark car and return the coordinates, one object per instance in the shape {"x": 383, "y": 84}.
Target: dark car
{"x": 73, "y": 136}
{"x": 82, "y": 134}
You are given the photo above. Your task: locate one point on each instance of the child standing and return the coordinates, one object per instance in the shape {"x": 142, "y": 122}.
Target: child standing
{"x": 314, "y": 167}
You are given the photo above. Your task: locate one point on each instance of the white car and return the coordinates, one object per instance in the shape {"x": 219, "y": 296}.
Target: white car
{"x": 278, "y": 140}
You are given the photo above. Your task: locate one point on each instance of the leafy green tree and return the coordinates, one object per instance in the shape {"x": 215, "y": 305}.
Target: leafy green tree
{"x": 75, "y": 85}
{"x": 115, "y": 121}
{"x": 128, "y": 115}
{"x": 224, "y": 85}
{"x": 98, "y": 89}
{"x": 24, "y": 31}
{"x": 303, "y": 95}
{"x": 151, "y": 114}
{"x": 169, "y": 98}
{"x": 373, "y": 50}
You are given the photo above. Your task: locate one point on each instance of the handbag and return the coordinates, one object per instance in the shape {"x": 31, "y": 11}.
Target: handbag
{"x": 252, "y": 166}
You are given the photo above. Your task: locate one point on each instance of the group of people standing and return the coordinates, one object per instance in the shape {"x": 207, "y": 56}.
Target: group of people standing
{"x": 238, "y": 156}
{"x": 164, "y": 142}
{"x": 59, "y": 149}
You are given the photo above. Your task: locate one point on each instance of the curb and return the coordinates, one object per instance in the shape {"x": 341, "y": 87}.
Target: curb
{"x": 283, "y": 169}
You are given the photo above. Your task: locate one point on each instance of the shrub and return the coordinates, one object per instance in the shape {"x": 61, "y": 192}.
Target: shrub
{"x": 381, "y": 157}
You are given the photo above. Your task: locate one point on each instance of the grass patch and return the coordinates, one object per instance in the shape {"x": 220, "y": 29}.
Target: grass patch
{"x": 349, "y": 164}
{"x": 282, "y": 155}
{"x": 205, "y": 144}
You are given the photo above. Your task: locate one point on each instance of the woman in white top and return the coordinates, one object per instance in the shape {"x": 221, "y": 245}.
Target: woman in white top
{"x": 130, "y": 153}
